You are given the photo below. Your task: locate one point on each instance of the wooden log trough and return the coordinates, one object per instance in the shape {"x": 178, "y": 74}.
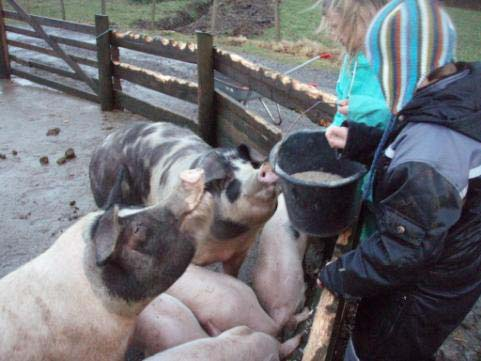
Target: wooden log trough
{"x": 221, "y": 120}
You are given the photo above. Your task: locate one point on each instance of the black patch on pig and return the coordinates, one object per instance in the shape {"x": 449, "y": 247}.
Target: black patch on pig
{"x": 227, "y": 229}
{"x": 233, "y": 190}
{"x": 295, "y": 232}
{"x": 170, "y": 162}
{"x": 215, "y": 165}
{"x": 135, "y": 132}
{"x": 144, "y": 267}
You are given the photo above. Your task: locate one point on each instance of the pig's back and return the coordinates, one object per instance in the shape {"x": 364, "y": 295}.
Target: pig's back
{"x": 146, "y": 151}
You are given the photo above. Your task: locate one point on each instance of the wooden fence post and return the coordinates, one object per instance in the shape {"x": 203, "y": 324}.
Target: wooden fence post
{"x": 4, "y": 58}
{"x": 205, "y": 70}
{"x": 106, "y": 91}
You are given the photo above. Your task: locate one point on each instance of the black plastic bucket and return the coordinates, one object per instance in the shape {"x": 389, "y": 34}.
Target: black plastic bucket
{"x": 316, "y": 208}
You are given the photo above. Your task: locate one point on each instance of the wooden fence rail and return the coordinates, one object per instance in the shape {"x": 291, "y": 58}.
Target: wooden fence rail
{"x": 156, "y": 46}
{"x": 42, "y": 50}
{"x": 58, "y": 39}
{"x": 165, "y": 84}
{"x": 54, "y": 23}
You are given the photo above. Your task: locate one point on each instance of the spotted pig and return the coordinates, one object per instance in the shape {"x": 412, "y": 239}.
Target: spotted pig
{"x": 244, "y": 191}
{"x": 80, "y": 299}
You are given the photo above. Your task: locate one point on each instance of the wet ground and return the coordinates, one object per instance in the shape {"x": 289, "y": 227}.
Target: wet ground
{"x": 40, "y": 201}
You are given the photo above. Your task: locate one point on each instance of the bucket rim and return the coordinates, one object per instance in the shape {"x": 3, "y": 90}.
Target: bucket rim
{"x": 283, "y": 174}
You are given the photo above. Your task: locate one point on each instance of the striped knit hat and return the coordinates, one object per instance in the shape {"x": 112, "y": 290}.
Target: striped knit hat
{"x": 405, "y": 42}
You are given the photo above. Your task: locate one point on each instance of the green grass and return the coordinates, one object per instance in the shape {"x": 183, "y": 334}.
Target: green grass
{"x": 297, "y": 23}
{"x": 122, "y": 13}
{"x": 468, "y": 25}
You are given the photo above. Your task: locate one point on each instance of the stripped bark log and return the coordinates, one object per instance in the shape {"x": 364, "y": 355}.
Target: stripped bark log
{"x": 281, "y": 89}
{"x": 156, "y": 46}
{"x": 169, "y": 85}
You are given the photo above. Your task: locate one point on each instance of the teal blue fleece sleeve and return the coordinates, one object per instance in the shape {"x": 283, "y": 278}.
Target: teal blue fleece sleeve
{"x": 368, "y": 110}
{"x": 359, "y": 84}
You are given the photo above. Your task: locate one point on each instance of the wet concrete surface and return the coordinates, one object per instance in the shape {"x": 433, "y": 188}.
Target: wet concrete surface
{"x": 40, "y": 201}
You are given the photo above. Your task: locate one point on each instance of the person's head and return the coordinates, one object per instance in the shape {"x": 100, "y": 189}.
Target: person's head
{"x": 406, "y": 41}
{"x": 348, "y": 20}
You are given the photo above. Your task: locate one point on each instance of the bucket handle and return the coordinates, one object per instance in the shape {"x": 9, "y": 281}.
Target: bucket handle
{"x": 273, "y": 155}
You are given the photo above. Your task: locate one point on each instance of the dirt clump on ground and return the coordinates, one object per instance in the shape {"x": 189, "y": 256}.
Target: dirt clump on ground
{"x": 236, "y": 17}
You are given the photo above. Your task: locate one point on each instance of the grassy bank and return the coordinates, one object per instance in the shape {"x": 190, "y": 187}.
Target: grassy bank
{"x": 122, "y": 13}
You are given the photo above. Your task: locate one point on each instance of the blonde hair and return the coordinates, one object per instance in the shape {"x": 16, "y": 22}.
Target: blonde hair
{"x": 355, "y": 17}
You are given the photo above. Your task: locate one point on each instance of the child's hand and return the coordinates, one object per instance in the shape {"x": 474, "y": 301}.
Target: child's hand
{"x": 337, "y": 136}
{"x": 343, "y": 106}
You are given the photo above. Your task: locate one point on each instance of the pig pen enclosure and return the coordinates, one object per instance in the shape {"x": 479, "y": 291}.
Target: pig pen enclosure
{"x": 94, "y": 71}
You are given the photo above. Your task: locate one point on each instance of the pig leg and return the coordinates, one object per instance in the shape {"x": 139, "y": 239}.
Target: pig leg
{"x": 233, "y": 264}
{"x": 296, "y": 319}
{"x": 289, "y": 346}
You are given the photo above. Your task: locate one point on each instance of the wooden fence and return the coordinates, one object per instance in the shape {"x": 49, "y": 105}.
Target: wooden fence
{"x": 221, "y": 120}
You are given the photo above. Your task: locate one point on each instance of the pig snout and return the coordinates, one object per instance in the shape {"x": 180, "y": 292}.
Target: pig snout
{"x": 266, "y": 174}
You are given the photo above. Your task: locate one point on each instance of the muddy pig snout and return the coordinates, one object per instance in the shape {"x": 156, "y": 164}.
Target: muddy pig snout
{"x": 266, "y": 174}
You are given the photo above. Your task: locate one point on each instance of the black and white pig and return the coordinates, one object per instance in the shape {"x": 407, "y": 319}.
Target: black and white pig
{"x": 79, "y": 300}
{"x": 245, "y": 192}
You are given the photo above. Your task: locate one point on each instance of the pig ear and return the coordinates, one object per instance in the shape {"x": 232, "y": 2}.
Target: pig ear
{"x": 244, "y": 152}
{"x": 115, "y": 195}
{"x": 193, "y": 182}
{"x": 106, "y": 235}
{"x": 214, "y": 166}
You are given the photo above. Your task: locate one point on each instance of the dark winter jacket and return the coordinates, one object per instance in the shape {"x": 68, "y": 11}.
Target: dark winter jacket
{"x": 420, "y": 273}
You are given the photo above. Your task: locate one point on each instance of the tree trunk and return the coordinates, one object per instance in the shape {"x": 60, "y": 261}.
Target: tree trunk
{"x": 277, "y": 16}
{"x": 103, "y": 7}
{"x": 153, "y": 14}
{"x": 62, "y": 8}
{"x": 215, "y": 10}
